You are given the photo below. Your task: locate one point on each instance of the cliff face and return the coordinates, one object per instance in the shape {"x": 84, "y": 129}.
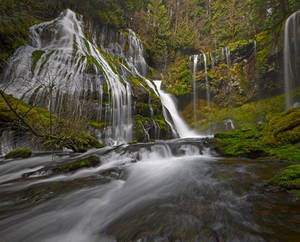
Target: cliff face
{"x": 76, "y": 69}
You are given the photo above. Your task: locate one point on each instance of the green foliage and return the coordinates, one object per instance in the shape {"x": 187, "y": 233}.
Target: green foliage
{"x": 18, "y": 153}
{"x": 289, "y": 178}
{"x": 158, "y": 30}
{"x": 68, "y": 133}
{"x": 179, "y": 78}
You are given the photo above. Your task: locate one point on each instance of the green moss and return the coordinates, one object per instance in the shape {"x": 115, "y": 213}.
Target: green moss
{"x": 105, "y": 88}
{"x": 38, "y": 119}
{"x": 46, "y": 60}
{"x": 90, "y": 161}
{"x": 18, "y": 153}
{"x": 75, "y": 47}
{"x": 245, "y": 116}
{"x": 278, "y": 138}
{"x": 239, "y": 44}
{"x": 179, "y": 78}
{"x": 98, "y": 125}
{"x": 160, "y": 120}
{"x": 36, "y": 56}
{"x": 289, "y": 178}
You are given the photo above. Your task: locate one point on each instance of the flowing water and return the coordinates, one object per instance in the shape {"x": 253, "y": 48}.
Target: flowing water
{"x": 291, "y": 56}
{"x": 195, "y": 96}
{"x": 206, "y": 81}
{"x": 165, "y": 191}
{"x": 176, "y": 190}
{"x": 179, "y": 124}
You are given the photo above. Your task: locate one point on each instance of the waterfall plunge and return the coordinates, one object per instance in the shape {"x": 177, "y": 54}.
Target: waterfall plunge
{"x": 59, "y": 53}
{"x": 179, "y": 124}
{"x": 291, "y": 56}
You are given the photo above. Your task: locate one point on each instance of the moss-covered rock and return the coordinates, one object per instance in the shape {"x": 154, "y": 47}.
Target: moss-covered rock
{"x": 86, "y": 162}
{"x": 278, "y": 138}
{"x": 289, "y": 178}
{"x": 18, "y": 153}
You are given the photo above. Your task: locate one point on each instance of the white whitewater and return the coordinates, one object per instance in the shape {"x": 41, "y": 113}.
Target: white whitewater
{"x": 206, "y": 81}
{"x": 291, "y": 56}
{"x": 82, "y": 76}
{"x": 228, "y": 57}
{"x": 195, "y": 87}
{"x": 180, "y": 125}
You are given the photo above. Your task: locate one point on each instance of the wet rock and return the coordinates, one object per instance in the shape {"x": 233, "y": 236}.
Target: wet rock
{"x": 19, "y": 153}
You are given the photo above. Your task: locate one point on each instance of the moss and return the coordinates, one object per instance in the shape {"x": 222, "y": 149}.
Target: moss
{"x": 38, "y": 118}
{"x": 239, "y": 44}
{"x": 18, "y": 153}
{"x": 245, "y": 116}
{"x": 133, "y": 142}
{"x": 75, "y": 47}
{"x": 160, "y": 120}
{"x": 90, "y": 161}
{"x": 36, "y": 56}
{"x": 46, "y": 60}
{"x": 289, "y": 178}
{"x": 278, "y": 138}
{"x": 140, "y": 121}
{"x": 98, "y": 125}
{"x": 240, "y": 143}
{"x": 179, "y": 78}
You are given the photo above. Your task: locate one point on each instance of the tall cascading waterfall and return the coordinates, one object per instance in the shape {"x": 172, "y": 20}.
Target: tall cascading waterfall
{"x": 206, "y": 80}
{"x": 291, "y": 56}
{"x": 195, "y": 87}
{"x": 179, "y": 124}
{"x": 60, "y": 55}
{"x": 228, "y": 57}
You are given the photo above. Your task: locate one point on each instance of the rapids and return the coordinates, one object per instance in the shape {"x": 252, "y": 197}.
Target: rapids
{"x": 166, "y": 191}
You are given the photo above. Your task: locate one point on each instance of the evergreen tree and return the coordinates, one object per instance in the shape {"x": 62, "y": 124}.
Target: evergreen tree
{"x": 158, "y": 30}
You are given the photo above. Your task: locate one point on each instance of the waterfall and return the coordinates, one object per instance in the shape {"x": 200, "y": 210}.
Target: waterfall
{"x": 291, "y": 56}
{"x": 60, "y": 54}
{"x": 228, "y": 57}
{"x": 206, "y": 81}
{"x": 222, "y": 54}
{"x": 195, "y": 88}
{"x": 212, "y": 60}
{"x": 179, "y": 124}
{"x": 136, "y": 52}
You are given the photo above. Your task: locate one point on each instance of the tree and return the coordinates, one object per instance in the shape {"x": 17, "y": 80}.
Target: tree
{"x": 158, "y": 30}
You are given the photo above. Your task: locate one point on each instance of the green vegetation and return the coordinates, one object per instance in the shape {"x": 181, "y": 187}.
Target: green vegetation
{"x": 53, "y": 133}
{"x": 179, "y": 77}
{"x": 278, "y": 138}
{"x": 18, "y": 153}
{"x": 245, "y": 116}
{"x": 289, "y": 178}
{"x": 36, "y": 56}
{"x": 90, "y": 161}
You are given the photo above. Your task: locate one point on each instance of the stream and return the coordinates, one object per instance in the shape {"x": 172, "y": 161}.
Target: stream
{"x": 176, "y": 190}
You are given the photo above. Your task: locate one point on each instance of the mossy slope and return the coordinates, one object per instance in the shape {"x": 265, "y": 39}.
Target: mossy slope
{"x": 278, "y": 137}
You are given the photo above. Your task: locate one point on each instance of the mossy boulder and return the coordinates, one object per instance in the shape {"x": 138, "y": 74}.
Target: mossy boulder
{"x": 90, "y": 161}
{"x": 277, "y": 138}
{"x": 289, "y": 178}
{"x": 240, "y": 143}
{"x": 18, "y": 153}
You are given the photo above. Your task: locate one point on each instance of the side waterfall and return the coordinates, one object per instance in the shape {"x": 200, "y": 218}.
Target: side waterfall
{"x": 179, "y": 124}
{"x": 291, "y": 56}
{"x": 195, "y": 88}
{"x": 206, "y": 81}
